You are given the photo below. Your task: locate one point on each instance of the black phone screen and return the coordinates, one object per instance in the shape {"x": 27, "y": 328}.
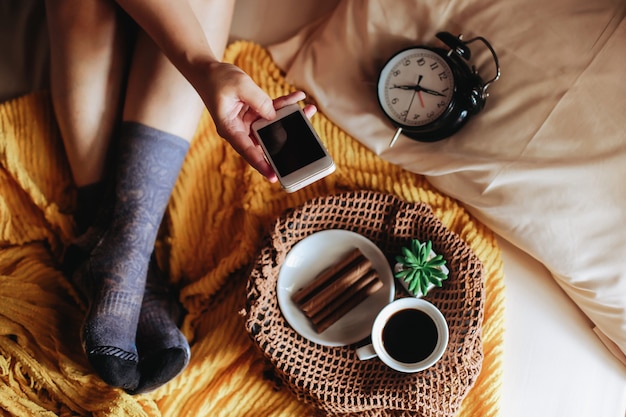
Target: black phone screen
{"x": 291, "y": 143}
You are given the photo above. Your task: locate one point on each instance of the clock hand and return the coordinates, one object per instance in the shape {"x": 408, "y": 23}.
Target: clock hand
{"x": 416, "y": 91}
{"x": 409, "y": 108}
{"x": 419, "y": 88}
{"x": 404, "y": 87}
{"x": 419, "y": 94}
{"x": 433, "y": 92}
{"x": 415, "y": 87}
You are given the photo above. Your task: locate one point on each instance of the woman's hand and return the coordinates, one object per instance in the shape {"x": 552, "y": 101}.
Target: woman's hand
{"x": 230, "y": 95}
{"x": 235, "y": 102}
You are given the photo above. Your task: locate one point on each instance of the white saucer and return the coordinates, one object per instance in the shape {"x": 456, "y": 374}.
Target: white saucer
{"x": 312, "y": 255}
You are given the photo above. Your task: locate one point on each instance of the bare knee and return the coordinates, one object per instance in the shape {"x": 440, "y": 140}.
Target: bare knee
{"x": 81, "y": 16}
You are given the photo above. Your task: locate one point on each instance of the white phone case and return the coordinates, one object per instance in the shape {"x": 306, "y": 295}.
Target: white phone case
{"x": 293, "y": 148}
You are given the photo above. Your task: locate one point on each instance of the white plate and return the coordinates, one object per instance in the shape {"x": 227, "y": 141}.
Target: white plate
{"x": 312, "y": 255}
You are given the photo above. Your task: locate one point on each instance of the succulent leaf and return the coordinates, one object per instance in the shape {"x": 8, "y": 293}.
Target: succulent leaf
{"x": 415, "y": 247}
{"x": 437, "y": 261}
{"x": 424, "y": 287}
{"x": 410, "y": 256}
{"x": 427, "y": 249}
{"x": 403, "y": 273}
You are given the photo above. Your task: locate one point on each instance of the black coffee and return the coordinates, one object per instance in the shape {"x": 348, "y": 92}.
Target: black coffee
{"x": 410, "y": 336}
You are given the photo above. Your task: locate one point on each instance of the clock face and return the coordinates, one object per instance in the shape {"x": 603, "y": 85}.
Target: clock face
{"x": 415, "y": 87}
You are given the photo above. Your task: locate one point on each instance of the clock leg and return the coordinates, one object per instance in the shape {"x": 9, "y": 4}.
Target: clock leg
{"x": 395, "y": 137}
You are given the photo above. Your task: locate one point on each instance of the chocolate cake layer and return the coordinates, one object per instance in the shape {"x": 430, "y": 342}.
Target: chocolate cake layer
{"x": 352, "y": 302}
{"x": 336, "y": 286}
{"x": 321, "y": 280}
{"x": 344, "y": 297}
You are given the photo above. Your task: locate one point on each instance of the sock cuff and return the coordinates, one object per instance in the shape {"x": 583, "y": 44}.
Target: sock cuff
{"x": 154, "y": 152}
{"x": 130, "y": 129}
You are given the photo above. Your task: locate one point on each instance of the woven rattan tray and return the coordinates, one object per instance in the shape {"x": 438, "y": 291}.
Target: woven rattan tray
{"x": 333, "y": 379}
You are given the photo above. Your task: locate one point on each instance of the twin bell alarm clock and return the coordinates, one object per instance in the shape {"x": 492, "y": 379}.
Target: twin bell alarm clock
{"x": 429, "y": 93}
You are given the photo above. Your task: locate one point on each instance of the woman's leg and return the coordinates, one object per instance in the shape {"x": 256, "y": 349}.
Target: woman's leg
{"x": 161, "y": 114}
{"x": 88, "y": 70}
{"x": 158, "y": 96}
{"x": 88, "y": 41}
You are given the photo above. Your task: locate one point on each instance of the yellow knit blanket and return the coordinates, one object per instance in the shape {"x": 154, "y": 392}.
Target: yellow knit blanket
{"x": 217, "y": 216}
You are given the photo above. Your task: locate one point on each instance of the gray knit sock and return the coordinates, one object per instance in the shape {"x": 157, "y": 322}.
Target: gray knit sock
{"x": 147, "y": 162}
{"x": 163, "y": 349}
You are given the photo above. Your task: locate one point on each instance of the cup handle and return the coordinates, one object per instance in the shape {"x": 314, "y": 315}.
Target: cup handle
{"x": 366, "y": 352}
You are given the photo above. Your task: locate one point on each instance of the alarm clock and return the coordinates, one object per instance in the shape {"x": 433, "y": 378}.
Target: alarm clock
{"x": 429, "y": 93}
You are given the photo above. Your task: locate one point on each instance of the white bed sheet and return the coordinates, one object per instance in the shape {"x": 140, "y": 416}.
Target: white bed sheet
{"x": 554, "y": 364}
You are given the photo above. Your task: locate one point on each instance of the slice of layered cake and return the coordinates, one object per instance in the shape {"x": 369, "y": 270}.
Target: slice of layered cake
{"x": 337, "y": 290}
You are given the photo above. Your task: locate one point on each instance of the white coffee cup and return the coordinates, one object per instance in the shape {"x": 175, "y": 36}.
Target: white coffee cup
{"x": 409, "y": 335}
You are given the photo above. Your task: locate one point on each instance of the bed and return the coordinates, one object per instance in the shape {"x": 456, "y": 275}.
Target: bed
{"x": 562, "y": 330}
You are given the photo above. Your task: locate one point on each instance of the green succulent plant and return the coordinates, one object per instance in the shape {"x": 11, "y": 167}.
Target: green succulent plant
{"x": 419, "y": 268}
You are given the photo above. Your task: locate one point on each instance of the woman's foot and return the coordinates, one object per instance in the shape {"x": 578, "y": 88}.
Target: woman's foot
{"x": 163, "y": 349}
{"x": 114, "y": 276}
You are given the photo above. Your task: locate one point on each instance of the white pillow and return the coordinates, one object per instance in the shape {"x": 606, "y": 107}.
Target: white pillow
{"x": 543, "y": 164}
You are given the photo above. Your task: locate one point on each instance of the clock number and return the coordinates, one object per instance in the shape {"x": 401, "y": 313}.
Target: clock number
{"x": 406, "y": 62}
{"x": 404, "y": 114}
{"x": 394, "y": 100}
{"x": 441, "y": 104}
{"x": 421, "y": 62}
{"x": 430, "y": 114}
{"x": 434, "y": 66}
{"x": 443, "y": 76}
{"x": 396, "y": 73}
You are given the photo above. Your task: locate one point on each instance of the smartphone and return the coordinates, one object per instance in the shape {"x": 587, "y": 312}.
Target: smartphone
{"x": 293, "y": 148}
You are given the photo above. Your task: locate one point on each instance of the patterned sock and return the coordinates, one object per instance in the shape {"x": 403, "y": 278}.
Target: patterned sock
{"x": 163, "y": 349}
{"x": 148, "y": 162}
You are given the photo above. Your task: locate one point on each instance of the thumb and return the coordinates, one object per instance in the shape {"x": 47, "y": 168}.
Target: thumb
{"x": 258, "y": 101}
